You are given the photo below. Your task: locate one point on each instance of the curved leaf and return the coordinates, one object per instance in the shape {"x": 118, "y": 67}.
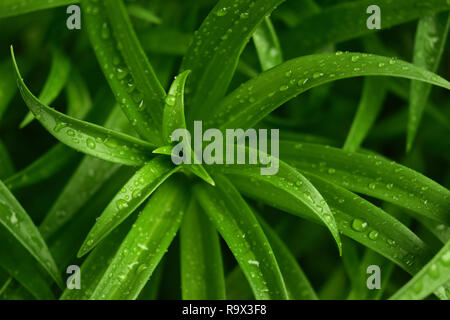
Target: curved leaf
{"x": 215, "y": 50}
{"x": 292, "y": 182}
{"x": 127, "y": 70}
{"x": 202, "y": 276}
{"x": 14, "y": 218}
{"x": 23, "y": 267}
{"x": 371, "y": 175}
{"x": 240, "y": 229}
{"x": 431, "y": 36}
{"x": 267, "y": 45}
{"x": 132, "y": 195}
{"x": 173, "y": 119}
{"x": 86, "y": 137}
{"x": 90, "y": 175}
{"x": 297, "y": 284}
{"x": 256, "y": 98}
{"x": 145, "y": 244}
{"x": 95, "y": 265}
{"x": 55, "y": 83}
{"x": 435, "y": 274}
{"x": 356, "y": 218}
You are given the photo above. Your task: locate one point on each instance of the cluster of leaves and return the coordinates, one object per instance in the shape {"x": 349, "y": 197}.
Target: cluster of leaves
{"x": 142, "y": 228}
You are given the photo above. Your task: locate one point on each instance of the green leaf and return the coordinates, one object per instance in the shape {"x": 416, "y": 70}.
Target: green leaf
{"x": 431, "y": 36}
{"x": 55, "y": 83}
{"x": 202, "y": 275}
{"x": 369, "y": 107}
{"x": 256, "y": 98}
{"x": 84, "y": 183}
{"x": 90, "y": 175}
{"x": 435, "y": 274}
{"x": 23, "y": 267}
{"x": 297, "y": 284}
{"x": 10, "y": 8}
{"x": 173, "y": 119}
{"x": 145, "y": 245}
{"x": 86, "y": 137}
{"x": 215, "y": 50}
{"x": 151, "y": 289}
{"x": 14, "y": 218}
{"x": 95, "y": 265}
{"x": 240, "y": 229}
{"x": 295, "y": 184}
{"x": 127, "y": 69}
{"x": 51, "y": 162}
{"x": 132, "y": 195}
{"x": 371, "y": 175}
{"x": 267, "y": 45}
{"x": 346, "y": 21}
{"x": 355, "y": 217}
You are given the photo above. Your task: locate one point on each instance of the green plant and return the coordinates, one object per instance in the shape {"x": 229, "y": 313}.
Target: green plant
{"x": 379, "y": 212}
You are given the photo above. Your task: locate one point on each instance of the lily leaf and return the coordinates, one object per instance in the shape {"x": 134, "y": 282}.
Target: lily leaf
{"x": 14, "y": 218}
{"x": 431, "y": 37}
{"x": 145, "y": 244}
{"x": 294, "y": 183}
{"x": 214, "y": 53}
{"x": 435, "y": 274}
{"x": 173, "y": 119}
{"x": 127, "y": 69}
{"x": 239, "y": 227}
{"x": 202, "y": 275}
{"x": 131, "y": 196}
{"x": 252, "y": 101}
{"x": 55, "y": 83}
{"x": 86, "y": 137}
{"x": 371, "y": 175}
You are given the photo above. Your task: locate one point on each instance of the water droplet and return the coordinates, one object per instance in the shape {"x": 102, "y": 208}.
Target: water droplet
{"x": 317, "y": 75}
{"x": 359, "y": 225}
{"x": 121, "y": 204}
{"x": 391, "y": 242}
{"x": 433, "y": 271}
{"x": 170, "y": 100}
{"x": 373, "y": 235}
{"x": 222, "y": 12}
{"x": 90, "y": 143}
{"x": 445, "y": 259}
{"x": 59, "y": 126}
